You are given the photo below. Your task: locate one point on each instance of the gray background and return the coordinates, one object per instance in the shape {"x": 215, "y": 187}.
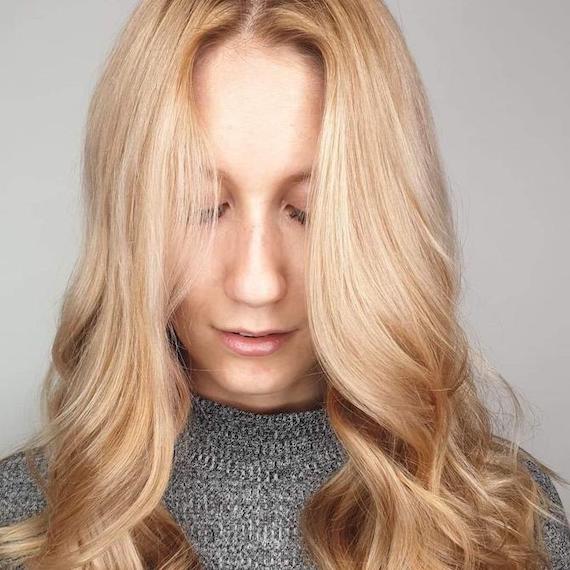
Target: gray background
{"x": 497, "y": 75}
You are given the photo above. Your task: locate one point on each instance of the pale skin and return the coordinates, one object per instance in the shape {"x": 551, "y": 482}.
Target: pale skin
{"x": 261, "y": 108}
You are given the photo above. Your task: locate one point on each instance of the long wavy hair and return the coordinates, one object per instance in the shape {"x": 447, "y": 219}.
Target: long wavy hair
{"x": 427, "y": 485}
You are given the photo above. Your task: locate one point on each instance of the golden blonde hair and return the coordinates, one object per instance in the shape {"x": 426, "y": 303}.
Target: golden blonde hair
{"x": 427, "y": 484}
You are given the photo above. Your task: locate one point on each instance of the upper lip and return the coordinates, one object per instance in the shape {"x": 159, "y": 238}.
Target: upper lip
{"x": 258, "y": 333}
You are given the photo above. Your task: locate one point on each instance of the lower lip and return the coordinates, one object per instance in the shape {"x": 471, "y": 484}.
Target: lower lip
{"x": 254, "y": 346}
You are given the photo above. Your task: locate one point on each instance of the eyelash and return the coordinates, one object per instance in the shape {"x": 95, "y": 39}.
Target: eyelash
{"x": 296, "y": 214}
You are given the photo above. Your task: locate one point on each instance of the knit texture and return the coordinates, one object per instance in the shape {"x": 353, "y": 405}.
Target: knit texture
{"x": 239, "y": 481}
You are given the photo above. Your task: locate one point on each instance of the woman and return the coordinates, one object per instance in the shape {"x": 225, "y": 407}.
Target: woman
{"x": 268, "y": 169}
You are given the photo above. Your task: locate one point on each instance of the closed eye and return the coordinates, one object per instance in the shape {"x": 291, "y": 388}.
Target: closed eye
{"x": 299, "y": 215}
{"x": 207, "y": 214}
{"x": 295, "y": 213}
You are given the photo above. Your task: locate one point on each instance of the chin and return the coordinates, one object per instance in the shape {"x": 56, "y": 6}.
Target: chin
{"x": 254, "y": 378}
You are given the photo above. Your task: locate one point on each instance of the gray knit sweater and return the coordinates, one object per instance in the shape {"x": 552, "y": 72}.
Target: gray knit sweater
{"x": 238, "y": 483}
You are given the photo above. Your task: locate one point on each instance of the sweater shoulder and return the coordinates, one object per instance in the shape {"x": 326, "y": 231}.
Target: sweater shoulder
{"x": 20, "y": 495}
{"x": 556, "y": 534}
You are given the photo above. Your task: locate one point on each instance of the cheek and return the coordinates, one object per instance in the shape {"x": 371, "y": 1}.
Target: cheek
{"x": 178, "y": 322}
{"x": 185, "y": 316}
{"x": 198, "y": 296}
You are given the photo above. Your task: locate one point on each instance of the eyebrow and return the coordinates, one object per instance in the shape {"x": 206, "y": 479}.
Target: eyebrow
{"x": 290, "y": 179}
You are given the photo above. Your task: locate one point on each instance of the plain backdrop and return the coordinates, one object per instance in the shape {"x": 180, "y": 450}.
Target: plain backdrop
{"x": 497, "y": 75}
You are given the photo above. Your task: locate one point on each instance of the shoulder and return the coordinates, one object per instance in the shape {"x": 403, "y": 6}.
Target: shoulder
{"x": 20, "y": 495}
{"x": 556, "y": 534}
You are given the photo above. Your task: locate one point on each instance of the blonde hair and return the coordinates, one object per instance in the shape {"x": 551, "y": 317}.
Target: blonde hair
{"x": 427, "y": 485}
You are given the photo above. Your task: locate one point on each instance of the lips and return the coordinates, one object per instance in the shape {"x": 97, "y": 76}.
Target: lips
{"x": 250, "y": 333}
{"x": 254, "y": 346}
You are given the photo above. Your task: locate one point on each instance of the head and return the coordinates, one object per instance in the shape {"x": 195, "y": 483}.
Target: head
{"x": 260, "y": 107}
{"x": 201, "y": 132}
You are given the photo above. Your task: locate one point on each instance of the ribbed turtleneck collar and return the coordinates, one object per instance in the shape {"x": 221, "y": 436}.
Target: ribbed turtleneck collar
{"x": 220, "y": 433}
{"x": 240, "y": 479}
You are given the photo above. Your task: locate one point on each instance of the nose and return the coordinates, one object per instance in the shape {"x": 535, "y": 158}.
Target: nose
{"x": 255, "y": 274}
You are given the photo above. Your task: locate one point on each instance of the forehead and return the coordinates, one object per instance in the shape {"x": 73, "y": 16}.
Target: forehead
{"x": 261, "y": 108}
